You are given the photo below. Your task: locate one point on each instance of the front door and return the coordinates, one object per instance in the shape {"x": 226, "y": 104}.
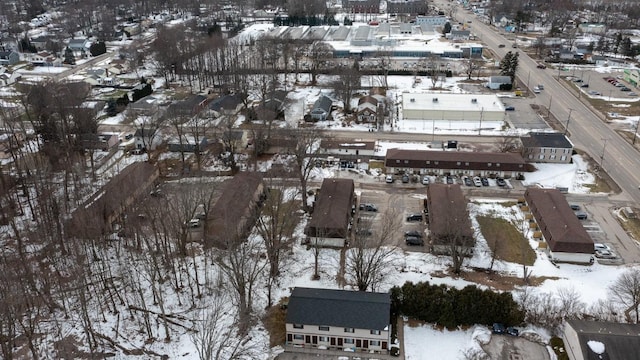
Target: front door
{"x": 333, "y": 341}
{"x": 307, "y": 339}
{"x": 339, "y": 341}
{"x": 358, "y": 343}
{"x": 314, "y": 340}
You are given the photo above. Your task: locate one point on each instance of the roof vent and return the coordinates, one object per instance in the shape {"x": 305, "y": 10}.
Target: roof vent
{"x": 435, "y": 99}
{"x": 474, "y": 101}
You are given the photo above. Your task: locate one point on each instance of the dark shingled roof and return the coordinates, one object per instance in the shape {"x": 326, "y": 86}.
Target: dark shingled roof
{"x": 430, "y": 159}
{"x": 349, "y": 309}
{"x": 347, "y": 144}
{"x": 559, "y": 225}
{"x": 332, "y": 210}
{"x": 621, "y": 341}
{"x": 448, "y": 212}
{"x": 546, "y": 140}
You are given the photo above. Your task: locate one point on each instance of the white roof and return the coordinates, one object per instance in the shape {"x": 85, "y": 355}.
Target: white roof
{"x": 448, "y": 101}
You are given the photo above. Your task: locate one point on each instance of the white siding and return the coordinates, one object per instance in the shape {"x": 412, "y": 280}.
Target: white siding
{"x": 338, "y": 332}
{"x": 571, "y": 343}
{"x": 571, "y": 257}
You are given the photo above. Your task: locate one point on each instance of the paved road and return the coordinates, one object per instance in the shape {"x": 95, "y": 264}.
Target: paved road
{"x": 588, "y": 132}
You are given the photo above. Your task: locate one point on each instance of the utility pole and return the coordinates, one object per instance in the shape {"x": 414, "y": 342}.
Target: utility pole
{"x": 566, "y": 128}
{"x": 604, "y": 147}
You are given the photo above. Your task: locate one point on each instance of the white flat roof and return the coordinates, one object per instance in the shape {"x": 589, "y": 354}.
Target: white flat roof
{"x": 448, "y": 101}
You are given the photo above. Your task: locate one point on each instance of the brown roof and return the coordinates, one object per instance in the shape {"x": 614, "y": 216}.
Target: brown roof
{"x": 368, "y": 99}
{"x": 332, "y": 209}
{"x": 456, "y": 160}
{"x": 448, "y": 212}
{"x": 347, "y": 144}
{"x": 233, "y": 212}
{"x": 559, "y": 225}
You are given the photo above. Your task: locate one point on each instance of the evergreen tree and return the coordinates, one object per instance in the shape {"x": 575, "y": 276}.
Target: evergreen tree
{"x": 447, "y": 28}
{"x": 509, "y": 65}
{"x": 98, "y": 48}
{"x": 69, "y": 58}
{"x": 616, "y": 44}
{"x": 625, "y": 47}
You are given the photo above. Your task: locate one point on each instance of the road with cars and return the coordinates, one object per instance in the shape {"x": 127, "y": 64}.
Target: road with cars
{"x": 588, "y": 132}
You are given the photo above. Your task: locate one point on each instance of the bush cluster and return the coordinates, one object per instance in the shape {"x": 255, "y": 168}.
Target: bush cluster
{"x": 451, "y": 307}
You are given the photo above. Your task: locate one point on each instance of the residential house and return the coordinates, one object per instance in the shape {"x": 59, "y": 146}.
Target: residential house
{"x": 345, "y": 149}
{"x": 9, "y": 57}
{"x": 340, "y": 320}
{"x": 449, "y": 223}
{"x": 187, "y": 107}
{"x": 186, "y": 143}
{"x": 102, "y": 142}
{"x": 432, "y": 20}
{"x": 41, "y": 42}
{"x": 147, "y": 139}
{"x": 459, "y": 35}
{"x": 44, "y": 58}
{"x": 495, "y": 82}
{"x": 95, "y": 217}
{"x": 234, "y": 213}
{"x": 567, "y": 239}
{"x": 599, "y": 60}
{"x": 500, "y": 20}
{"x": 226, "y": 105}
{"x": 369, "y": 110}
{"x": 116, "y": 68}
{"x": 272, "y": 107}
{"x": 329, "y": 225}
{"x": 455, "y": 162}
{"x": 147, "y": 106}
{"x": 321, "y": 110}
{"x": 547, "y": 147}
{"x": 599, "y": 340}
{"x": 78, "y": 45}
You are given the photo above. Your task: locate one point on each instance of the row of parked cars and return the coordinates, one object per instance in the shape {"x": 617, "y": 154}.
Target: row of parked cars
{"x": 477, "y": 181}
{"x": 613, "y": 81}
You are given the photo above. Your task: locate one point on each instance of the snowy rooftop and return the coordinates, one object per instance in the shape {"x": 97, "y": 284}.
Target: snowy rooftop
{"x": 447, "y": 101}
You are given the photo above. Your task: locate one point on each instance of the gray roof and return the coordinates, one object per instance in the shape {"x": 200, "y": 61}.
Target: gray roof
{"x": 323, "y": 103}
{"x": 620, "y": 340}
{"x": 500, "y": 79}
{"x": 546, "y": 140}
{"x": 349, "y": 309}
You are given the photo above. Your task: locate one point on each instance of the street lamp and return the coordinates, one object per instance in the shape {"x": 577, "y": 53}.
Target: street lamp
{"x": 566, "y": 128}
{"x": 604, "y": 147}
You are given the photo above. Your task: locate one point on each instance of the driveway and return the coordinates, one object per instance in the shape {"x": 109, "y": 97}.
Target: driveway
{"x": 514, "y": 348}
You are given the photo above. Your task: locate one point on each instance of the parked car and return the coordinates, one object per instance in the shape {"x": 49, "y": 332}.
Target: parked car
{"x": 477, "y": 182}
{"x": 598, "y": 246}
{"x": 425, "y": 180}
{"x": 632, "y": 94}
{"x": 468, "y": 181}
{"x": 577, "y": 80}
{"x": 605, "y": 254}
{"x": 574, "y": 207}
{"x": 585, "y": 85}
{"x": 193, "y": 223}
{"x": 513, "y": 331}
{"x": 501, "y": 182}
{"x": 624, "y": 88}
{"x": 510, "y": 108}
{"x": 449, "y": 179}
{"x": 498, "y": 328}
{"x": 414, "y": 241}
{"x": 540, "y": 86}
{"x": 541, "y": 66}
{"x": 368, "y": 207}
{"x": 501, "y": 45}
{"x": 414, "y": 217}
{"x": 485, "y": 181}
{"x": 405, "y": 179}
{"x": 536, "y": 90}
{"x": 581, "y": 215}
{"x": 414, "y": 233}
{"x": 389, "y": 179}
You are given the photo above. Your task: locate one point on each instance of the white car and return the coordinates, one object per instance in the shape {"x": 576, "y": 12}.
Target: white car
{"x": 605, "y": 254}
{"x": 389, "y": 179}
{"x": 477, "y": 182}
{"x": 425, "y": 180}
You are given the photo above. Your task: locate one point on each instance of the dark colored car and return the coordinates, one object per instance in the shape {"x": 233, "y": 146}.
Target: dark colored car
{"x": 485, "y": 181}
{"x": 413, "y": 241}
{"x": 501, "y": 182}
{"x": 368, "y": 207}
{"x": 501, "y": 45}
{"x": 513, "y": 331}
{"x": 510, "y": 108}
{"x": 541, "y": 66}
{"x": 414, "y": 217}
{"x": 468, "y": 182}
{"x": 574, "y": 207}
{"x": 414, "y": 233}
{"x": 581, "y": 215}
{"x": 584, "y": 85}
{"x": 498, "y": 328}
{"x": 449, "y": 180}
{"x": 405, "y": 178}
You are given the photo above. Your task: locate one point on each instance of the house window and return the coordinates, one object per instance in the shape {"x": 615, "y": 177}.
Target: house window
{"x": 298, "y": 337}
{"x": 428, "y": 162}
{"x": 466, "y": 164}
{"x": 488, "y": 164}
{"x": 458, "y": 163}
{"x": 406, "y": 161}
{"x": 397, "y": 161}
{"x": 375, "y": 332}
{"x": 497, "y": 164}
{"x": 520, "y": 166}
{"x": 436, "y": 162}
{"x": 542, "y": 151}
{"x": 541, "y": 157}
{"x": 563, "y": 158}
{"x": 348, "y": 330}
{"x": 348, "y": 341}
{"x": 323, "y": 339}
{"x": 323, "y": 328}
{"x": 530, "y": 157}
{"x": 374, "y": 342}
{"x": 552, "y": 157}
{"x": 298, "y": 326}
{"x": 553, "y": 151}
{"x": 565, "y": 151}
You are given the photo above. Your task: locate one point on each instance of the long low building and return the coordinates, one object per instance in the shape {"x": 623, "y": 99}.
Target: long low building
{"x": 567, "y": 239}
{"x": 449, "y": 222}
{"x": 456, "y": 163}
{"x": 329, "y": 225}
{"x": 444, "y": 110}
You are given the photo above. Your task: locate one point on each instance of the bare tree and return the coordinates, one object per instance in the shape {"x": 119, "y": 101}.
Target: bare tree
{"x": 346, "y": 84}
{"x": 319, "y": 53}
{"x": 472, "y": 353}
{"x": 507, "y": 144}
{"x": 305, "y": 149}
{"x": 276, "y": 226}
{"x": 470, "y": 66}
{"x": 369, "y": 259}
{"x": 626, "y": 292}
